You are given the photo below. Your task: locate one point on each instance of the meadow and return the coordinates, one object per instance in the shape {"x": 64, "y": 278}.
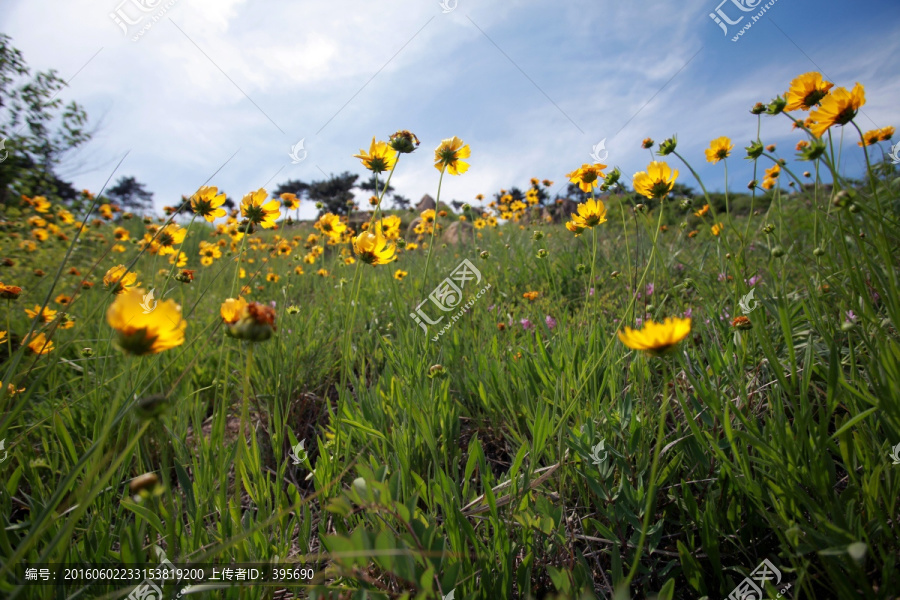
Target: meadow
{"x": 647, "y": 398}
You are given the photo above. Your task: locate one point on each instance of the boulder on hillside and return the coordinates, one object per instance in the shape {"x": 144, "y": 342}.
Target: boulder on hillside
{"x": 460, "y": 231}
{"x": 427, "y": 202}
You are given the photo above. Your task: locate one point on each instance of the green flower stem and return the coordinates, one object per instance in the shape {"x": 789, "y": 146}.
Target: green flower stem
{"x": 433, "y": 229}
{"x": 651, "y": 490}
{"x": 242, "y": 440}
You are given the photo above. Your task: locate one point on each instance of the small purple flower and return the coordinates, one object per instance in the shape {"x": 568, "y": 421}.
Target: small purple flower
{"x": 638, "y": 322}
{"x": 550, "y": 321}
{"x": 753, "y": 280}
{"x": 650, "y": 289}
{"x": 591, "y": 292}
{"x": 491, "y": 307}
{"x": 851, "y": 316}
{"x": 689, "y": 313}
{"x": 526, "y": 324}
{"x": 272, "y": 303}
{"x": 721, "y": 276}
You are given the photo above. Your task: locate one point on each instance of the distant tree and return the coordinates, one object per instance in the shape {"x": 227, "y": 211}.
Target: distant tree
{"x": 132, "y": 195}
{"x": 679, "y": 190}
{"x": 291, "y": 186}
{"x": 401, "y": 202}
{"x": 36, "y": 128}
{"x": 334, "y": 192}
{"x": 369, "y": 186}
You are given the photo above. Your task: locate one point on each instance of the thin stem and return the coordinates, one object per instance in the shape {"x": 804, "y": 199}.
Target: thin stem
{"x": 437, "y": 204}
{"x": 651, "y": 491}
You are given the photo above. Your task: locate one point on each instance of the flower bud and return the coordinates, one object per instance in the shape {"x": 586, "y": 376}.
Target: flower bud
{"x": 841, "y": 199}
{"x": 758, "y": 108}
{"x": 742, "y": 322}
{"x": 818, "y": 251}
{"x": 404, "y": 141}
{"x": 769, "y": 228}
{"x": 542, "y": 253}
{"x": 144, "y": 486}
{"x": 437, "y": 371}
{"x": 855, "y": 208}
{"x": 87, "y": 352}
{"x": 754, "y": 150}
{"x": 293, "y": 309}
{"x": 777, "y": 252}
{"x": 776, "y": 106}
{"x": 485, "y": 254}
{"x": 668, "y": 146}
{"x": 537, "y": 235}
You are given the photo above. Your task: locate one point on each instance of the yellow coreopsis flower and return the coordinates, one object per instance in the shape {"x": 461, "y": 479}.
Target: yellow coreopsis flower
{"x": 390, "y": 227}
{"x": 168, "y": 237}
{"x": 574, "y": 227}
{"x": 45, "y": 315}
{"x": 449, "y": 156}
{"x": 380, "y": 157}
{"x": 806, "y": 91}
{"x": 702, "y": 211}
{"x": 837, "y": 108}
{"x": 142, "y": 331}
{"x": 656, "y": 338}
{"x": 289, "y": 201}
{"x": 119, "y": 279}
{"x": 207, "y": 203}
{"x": 656, "y": 182}
{"x": 717, "y": 229}
{"x": 331, "y": 225}
{"x": 259, "y": 212}
{"x": 589, "y": 214}
{"x": 886, "y": 133}
{"x": 399, "y": 274}
{"x": 373, "y": 248}
{"x": 40, "y": 204}
{"x": 232, "y": 309}
{"x": 38, "y": 343}
{"x": 586, "y": 176}
{"x": 719, "y": 149}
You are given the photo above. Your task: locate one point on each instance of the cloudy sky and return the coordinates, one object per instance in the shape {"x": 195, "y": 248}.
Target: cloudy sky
{"x": 220, "y": 90}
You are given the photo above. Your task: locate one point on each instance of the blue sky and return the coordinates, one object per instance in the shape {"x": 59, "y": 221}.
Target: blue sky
{"x": 529, "y": 85}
